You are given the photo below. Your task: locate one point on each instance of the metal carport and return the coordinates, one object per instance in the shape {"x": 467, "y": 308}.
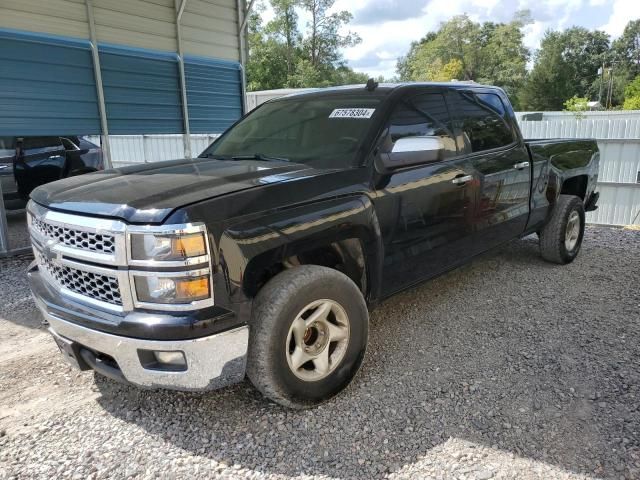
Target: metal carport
{"x": 121, "y": 67}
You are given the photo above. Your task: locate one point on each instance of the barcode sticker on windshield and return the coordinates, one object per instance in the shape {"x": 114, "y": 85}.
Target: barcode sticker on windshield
{"x": 352, "y": 113}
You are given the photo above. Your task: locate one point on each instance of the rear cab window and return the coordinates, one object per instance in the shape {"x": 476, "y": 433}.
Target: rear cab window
{"x": 481, "y": 120}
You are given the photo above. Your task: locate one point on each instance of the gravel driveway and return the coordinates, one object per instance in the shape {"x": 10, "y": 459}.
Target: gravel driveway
{"x": 507, "y": 368}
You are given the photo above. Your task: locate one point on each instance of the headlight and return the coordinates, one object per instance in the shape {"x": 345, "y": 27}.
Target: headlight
{"x": 167, "y": 247}
{"x": 172, "y": 289}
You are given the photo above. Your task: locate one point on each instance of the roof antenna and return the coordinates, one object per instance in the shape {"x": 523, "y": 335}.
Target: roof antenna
{"x": 371, "y": 85}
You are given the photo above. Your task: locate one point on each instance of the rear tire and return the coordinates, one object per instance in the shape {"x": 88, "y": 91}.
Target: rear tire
{"x": 561, "y": 238}
{"x": 308, "y": 336}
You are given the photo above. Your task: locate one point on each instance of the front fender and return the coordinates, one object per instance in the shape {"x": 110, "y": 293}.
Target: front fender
{"x": 247, "y": 249}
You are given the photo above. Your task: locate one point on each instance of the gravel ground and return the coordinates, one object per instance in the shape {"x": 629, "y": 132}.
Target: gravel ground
{"x": 17, "y": 229}
{"x": 509, "y": 368}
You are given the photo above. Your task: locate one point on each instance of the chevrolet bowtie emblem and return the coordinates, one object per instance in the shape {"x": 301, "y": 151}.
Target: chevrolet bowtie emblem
{"x": 48, "y": 250}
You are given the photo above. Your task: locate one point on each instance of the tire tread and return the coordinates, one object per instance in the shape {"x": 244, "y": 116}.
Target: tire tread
{"x": 266, "y": 310}
{"x": 552, "y": 234}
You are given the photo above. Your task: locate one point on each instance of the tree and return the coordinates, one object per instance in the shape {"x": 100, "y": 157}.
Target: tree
{"x": 464, "y": 50}
{"x": 324, "y": 41}
{"x": 281, "y": 56}
{"x": 504, "y": 56}
{"x": 404, "y": 64}
{"x": 285, "y": 24}
{"x": 565, "y": 66}
{"x": 266, "y": 67}
{"x": 632, "y": 95}
{"x": 548, "y": 84}
{"x": 585, "y": 51}
{"x": 626, "y": 50}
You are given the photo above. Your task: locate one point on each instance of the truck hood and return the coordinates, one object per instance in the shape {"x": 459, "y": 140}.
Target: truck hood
{"x": 150, "y": 192}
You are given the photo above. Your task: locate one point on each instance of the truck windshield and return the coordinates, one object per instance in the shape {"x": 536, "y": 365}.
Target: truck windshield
{"x": 324, "y": 132}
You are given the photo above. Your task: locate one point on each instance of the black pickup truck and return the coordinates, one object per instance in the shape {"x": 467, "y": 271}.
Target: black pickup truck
{"x": 262, "y": 256}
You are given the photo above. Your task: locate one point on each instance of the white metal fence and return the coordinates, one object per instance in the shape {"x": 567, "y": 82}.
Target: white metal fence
{"x": 618, "y": 136}
{"x": 136, "y": 149}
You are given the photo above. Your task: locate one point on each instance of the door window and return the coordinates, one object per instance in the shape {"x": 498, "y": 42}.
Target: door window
{"x": 36, "y": 145}
{"x": 482, "y": 121}
{"x": 68, "y": 144}
{"x": 424, "y": 115}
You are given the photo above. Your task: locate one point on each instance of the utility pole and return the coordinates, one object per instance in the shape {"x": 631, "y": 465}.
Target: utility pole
{"x": 601, "y": 72}
{"x": 610, "y": 93}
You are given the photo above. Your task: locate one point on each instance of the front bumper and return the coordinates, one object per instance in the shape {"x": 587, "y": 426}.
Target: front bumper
{"x": 214, "y": 347}
{"x": 212, "y": 362}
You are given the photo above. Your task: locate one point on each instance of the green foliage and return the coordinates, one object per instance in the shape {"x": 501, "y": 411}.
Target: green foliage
{"x": 464, "y": 50}
{"x": 281, "y": 56}
{"x": 548, "y": 85}
{"x": 577, "y": 105}
{"x": 565, "y": 66}
{"x": 626, "y": 50}
{"x": 632, "y": 95}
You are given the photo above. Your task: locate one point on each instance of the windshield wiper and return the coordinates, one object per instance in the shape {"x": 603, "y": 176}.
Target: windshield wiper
{"x": 214, "y": 156}
{"x": 261, "y": 157}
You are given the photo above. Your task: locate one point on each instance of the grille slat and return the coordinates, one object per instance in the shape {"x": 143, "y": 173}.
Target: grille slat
{"x": 93, "y": 285}
{"x": 93, "y": 242}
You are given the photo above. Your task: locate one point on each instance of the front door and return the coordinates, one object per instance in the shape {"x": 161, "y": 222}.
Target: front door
{"x": 425, "y": 212}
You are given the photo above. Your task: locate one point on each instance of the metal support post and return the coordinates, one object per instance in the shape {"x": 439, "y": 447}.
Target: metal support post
{"x": 97, "y": 72}
{"x": 186, "y": 137}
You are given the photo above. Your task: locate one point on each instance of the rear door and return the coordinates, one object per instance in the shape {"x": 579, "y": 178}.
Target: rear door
{"x": 424, "y": 211}
{"x": 39, "y": 160}
{"x": 500, "y": 163}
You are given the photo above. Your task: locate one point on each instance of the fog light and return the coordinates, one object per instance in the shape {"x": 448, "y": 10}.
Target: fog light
{"x": 171, "y": 359}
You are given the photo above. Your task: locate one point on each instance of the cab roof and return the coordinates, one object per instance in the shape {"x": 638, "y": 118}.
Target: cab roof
{"x": 383, "y": 89}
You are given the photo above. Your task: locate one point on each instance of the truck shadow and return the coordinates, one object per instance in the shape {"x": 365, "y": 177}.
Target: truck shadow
{"x": 534, "y": 370}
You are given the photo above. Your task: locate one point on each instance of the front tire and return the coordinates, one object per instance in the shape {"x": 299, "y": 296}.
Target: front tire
{"x": 561, "y": 238}
{"x": 308, "y": 336}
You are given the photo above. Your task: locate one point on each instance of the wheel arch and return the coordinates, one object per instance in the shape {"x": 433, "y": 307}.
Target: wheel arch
{"x": 342, "y": 234}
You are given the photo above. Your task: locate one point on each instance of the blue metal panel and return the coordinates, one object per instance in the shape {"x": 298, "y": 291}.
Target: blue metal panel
{"x": 214, "y": 93}
{"x": 141, "y": 90}
{"x": 47, "y": 85}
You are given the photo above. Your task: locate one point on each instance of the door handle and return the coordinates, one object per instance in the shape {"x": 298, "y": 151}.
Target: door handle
{"x": 521, "y": 165}
{"x": 462, "y": 180}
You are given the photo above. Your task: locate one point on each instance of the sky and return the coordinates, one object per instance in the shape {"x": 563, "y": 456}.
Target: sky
{"x": 387, "y": 27}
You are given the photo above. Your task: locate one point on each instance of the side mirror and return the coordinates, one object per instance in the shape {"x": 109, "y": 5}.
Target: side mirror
{"x": 409, "y": 151}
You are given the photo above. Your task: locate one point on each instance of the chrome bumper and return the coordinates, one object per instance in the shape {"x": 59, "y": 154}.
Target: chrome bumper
{"x": 212, "y": 362}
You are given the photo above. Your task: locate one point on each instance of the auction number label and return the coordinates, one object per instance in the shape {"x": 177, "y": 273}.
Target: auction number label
{"x": 352, "y": 113}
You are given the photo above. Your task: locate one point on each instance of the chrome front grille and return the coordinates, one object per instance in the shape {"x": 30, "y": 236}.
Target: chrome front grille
{"x": 87, "y": 259}
{"x": 93, "y": 242}
{"x": 100, "y": 287}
